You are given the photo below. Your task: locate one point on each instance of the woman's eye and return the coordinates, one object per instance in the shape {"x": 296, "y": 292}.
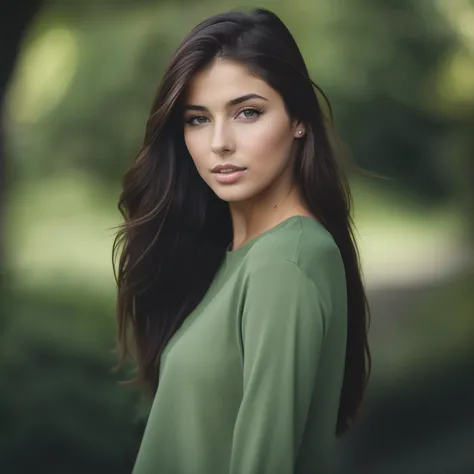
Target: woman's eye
{"x": 250, "y": 113}
{"x": 196, "y": 120}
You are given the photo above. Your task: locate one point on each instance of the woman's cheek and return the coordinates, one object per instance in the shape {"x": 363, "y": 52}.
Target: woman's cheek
{"x": 194, "y": 146}
{"x": 263, "y": 141}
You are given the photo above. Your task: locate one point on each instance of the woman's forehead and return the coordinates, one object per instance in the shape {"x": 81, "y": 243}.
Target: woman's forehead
{"x": 222, "y": 81}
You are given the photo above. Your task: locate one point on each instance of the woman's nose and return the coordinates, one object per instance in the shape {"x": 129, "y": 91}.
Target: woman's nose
{"x": 222, "y": 141}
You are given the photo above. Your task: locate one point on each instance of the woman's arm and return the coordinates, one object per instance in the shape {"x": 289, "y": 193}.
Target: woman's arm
{"x": 283, "y": 327}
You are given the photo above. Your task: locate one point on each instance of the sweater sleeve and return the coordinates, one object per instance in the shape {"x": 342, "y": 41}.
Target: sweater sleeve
{"x": 283, "y": 325}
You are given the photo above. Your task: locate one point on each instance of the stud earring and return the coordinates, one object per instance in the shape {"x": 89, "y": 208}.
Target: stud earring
{"x": 300, "y": 132}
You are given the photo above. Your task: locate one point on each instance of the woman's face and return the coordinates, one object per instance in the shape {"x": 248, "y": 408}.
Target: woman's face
{"x": 232, "y": 117}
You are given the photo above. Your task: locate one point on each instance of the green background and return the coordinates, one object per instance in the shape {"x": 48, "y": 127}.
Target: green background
{"x": 400, "y": 77}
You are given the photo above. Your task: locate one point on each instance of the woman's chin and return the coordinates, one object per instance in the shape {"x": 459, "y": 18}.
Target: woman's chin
{"x": 231, "y": 195}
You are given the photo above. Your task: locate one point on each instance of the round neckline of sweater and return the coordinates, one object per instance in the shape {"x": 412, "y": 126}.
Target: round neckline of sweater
{"x": 245, "y": 247}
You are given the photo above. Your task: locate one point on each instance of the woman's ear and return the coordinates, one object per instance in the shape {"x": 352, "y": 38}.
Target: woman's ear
{"x": 299, "y": 129}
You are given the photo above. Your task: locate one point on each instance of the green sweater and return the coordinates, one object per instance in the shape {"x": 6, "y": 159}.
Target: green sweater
{"x": 250, "y": 383}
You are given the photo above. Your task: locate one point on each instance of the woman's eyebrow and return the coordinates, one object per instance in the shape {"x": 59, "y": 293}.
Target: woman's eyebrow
{"x": 232, "y": 102}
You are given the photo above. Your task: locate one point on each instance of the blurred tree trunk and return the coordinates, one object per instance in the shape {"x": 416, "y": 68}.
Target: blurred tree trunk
{"x": 15, "y": 17}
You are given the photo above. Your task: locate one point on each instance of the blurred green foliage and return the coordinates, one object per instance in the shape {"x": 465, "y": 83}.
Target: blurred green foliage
{"x": 60, "y": 405}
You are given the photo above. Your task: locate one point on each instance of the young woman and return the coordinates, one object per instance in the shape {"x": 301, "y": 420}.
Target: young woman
{"x": 238, "y": 277}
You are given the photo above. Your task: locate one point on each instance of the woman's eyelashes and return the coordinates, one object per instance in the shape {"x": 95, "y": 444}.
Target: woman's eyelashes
{"x": 195, "y": 120}
{"x": 248, "y": 114}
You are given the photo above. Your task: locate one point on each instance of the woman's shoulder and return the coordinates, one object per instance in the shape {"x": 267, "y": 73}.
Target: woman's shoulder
{"x": 302, "y": 241}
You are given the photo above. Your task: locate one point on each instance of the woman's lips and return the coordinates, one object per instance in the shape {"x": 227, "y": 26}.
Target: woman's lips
{"x": 229, "y": 178}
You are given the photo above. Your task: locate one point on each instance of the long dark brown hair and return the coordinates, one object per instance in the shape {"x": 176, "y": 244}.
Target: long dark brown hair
{"x": 176, "y": 230}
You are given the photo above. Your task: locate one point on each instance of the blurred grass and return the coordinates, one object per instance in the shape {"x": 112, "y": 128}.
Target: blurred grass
{"x": 431, "y": 335}
{"x": 60, "y": 231}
